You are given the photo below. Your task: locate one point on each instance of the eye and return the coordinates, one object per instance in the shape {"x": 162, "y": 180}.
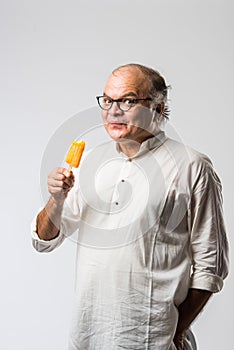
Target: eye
{"x": 107, "y": 100}
{"x": 129, "y": 101}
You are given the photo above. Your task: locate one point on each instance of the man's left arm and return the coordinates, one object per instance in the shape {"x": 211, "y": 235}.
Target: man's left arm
{"x": 209, "y": 247}
{"x": 208, "y": 239}
{"x": 188, "y": 311}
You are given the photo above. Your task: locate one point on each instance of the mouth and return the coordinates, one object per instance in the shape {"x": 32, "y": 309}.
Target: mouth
{"x": 116, "y": 123}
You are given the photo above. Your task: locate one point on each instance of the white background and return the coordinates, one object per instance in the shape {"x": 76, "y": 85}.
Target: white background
{"x": 55, "y": 57}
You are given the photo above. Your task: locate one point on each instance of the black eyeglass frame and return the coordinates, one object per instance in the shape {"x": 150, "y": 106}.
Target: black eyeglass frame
{"x": 121, "y": 100}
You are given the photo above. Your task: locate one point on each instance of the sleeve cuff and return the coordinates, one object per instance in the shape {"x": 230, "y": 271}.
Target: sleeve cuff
{"x": 41, "y": 245}
{"x": 205, "y": 281}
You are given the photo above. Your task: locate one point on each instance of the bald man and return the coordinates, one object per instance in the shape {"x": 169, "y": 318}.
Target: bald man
{"x": 152, "y": 246}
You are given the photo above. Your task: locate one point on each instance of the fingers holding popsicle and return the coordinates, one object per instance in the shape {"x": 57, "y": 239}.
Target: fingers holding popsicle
{"x": 60, "y": 182}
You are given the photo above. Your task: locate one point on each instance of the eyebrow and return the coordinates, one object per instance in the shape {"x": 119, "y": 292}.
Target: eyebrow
{"x": 125, "y": 95}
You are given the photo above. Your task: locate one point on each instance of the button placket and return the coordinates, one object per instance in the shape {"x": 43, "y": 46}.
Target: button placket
{"x": 123, "y": 175}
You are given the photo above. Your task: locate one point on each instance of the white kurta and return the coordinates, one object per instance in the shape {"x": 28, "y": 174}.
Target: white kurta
{"x": 149, "y": 228}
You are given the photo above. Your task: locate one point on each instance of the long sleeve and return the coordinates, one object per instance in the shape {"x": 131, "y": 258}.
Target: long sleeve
{"x": 209, "y": 243}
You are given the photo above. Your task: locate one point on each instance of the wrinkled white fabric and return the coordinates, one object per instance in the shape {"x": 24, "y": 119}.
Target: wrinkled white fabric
{"x": 149, "y": 228}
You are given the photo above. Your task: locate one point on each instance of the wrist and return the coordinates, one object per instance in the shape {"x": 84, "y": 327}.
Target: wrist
{"x": 181, "y": 327}
{"x": 57, "y": 203}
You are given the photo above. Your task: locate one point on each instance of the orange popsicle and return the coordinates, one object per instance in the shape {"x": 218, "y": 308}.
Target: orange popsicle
{"x": 74, "y": 154}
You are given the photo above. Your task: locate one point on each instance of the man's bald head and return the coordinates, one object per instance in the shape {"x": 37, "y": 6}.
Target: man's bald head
{"x": 151, "y": 82}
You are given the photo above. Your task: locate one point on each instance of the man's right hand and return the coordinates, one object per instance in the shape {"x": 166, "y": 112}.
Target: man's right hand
{"x": 60, "y": 182}
{"x": 179, "y": 341}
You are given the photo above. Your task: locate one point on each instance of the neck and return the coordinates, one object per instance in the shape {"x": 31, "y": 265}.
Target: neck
{"x": 131, "y": 147}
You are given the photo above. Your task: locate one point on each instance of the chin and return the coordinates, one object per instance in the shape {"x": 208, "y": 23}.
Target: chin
{"x": 116, "y": 136}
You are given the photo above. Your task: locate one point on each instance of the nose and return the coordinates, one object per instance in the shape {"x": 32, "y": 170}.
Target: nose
{"x": 115, "y": 110}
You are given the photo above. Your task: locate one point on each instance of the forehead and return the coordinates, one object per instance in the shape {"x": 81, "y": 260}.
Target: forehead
{"x": 125, "y": 81}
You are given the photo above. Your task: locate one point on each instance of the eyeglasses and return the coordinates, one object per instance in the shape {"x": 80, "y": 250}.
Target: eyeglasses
{"x": 124, "y": 103}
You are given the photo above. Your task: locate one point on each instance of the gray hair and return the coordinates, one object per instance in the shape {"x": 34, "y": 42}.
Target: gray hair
{"x": 158, "y": 90}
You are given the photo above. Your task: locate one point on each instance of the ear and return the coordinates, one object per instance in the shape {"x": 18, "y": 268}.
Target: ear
{"x": 160, "y": 108}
